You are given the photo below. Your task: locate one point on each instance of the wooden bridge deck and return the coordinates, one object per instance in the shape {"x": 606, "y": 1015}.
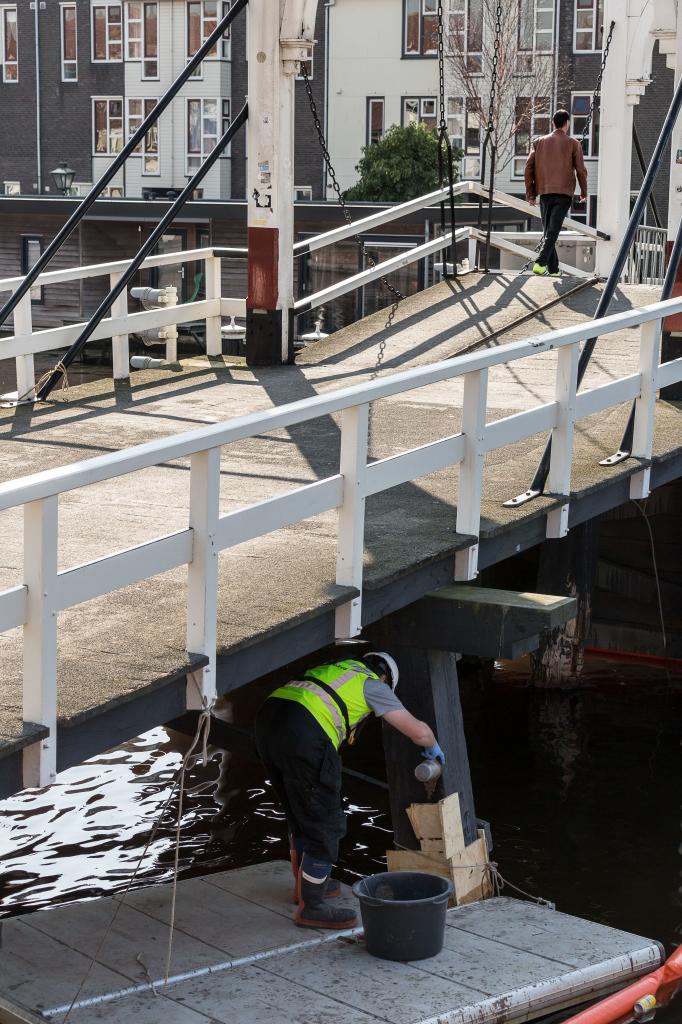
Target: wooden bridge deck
{"x": 122, "y": 662}
{"x": 238, "y": 956}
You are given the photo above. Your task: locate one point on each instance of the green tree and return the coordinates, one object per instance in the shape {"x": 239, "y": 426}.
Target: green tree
{"x": 401, "y": 166}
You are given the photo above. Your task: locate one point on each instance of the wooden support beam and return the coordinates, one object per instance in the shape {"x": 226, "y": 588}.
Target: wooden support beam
{"x": 479, "y": 621}
{"x": 429, "y": 688}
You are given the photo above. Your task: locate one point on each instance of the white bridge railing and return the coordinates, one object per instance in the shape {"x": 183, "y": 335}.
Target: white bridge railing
{"x": 34, "y": 604}
{"x": 27, "y": 342}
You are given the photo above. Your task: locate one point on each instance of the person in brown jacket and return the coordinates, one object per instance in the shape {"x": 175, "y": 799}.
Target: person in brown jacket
{"x": 553, "y": 164}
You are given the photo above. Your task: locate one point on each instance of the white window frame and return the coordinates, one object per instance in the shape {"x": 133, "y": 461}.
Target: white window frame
{"x": 371, "y": 100}
{"x": 596, "y": 43}
{"x": 141, "y": 39}
{"x": 80, "y": 188}
{"x": 306, "y": 197}
{"x": 142, "y": 150}
{"x": 4, "y": 9}
{"x": 109, "y": 5}
{"x": 469, "y": 163}
{"x": 62, "y": 8}
{"x": 590, "y": 154}
{"x": 11, "y": 188}
{"x": 461, "y": 9}
{"x": 540, "y": 7}
{"x": 427, "y": 8}
{"x": 204, "y": 152}
{"x": 422, "y": 116}
{"x": 224, "y": 51}
{"x": 108, "y": 100}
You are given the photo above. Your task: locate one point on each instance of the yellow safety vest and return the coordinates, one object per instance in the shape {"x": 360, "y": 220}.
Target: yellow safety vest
{"x": 343, "y": 680}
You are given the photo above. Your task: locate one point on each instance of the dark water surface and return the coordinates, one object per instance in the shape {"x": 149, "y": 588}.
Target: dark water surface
{"x": 583, "y": 790}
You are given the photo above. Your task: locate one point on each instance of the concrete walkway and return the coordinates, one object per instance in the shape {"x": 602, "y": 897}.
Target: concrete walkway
{"x": 131, "y": 643}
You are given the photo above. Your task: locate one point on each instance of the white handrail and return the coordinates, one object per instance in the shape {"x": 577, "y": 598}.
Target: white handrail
{"x": 44, "y": 589}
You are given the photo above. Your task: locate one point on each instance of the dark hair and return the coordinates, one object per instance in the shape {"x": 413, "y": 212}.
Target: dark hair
{"x": 561, "y": 117}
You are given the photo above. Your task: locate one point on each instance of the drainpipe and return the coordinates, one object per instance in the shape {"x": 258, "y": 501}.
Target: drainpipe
{"x": 39, "y": 165}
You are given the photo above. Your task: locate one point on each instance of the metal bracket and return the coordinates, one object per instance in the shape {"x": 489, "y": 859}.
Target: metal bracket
{"x": 521, "y": 499}
{"x": 11, "y": 400}
{"x": 620, "y": 456}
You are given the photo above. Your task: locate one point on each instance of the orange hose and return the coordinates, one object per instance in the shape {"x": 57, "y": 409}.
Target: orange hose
{"x": 621, "y": 1004}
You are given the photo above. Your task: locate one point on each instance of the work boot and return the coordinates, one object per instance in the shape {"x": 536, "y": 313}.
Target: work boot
{"x": 314, "y": 911}
{"x": 332, "y": 888}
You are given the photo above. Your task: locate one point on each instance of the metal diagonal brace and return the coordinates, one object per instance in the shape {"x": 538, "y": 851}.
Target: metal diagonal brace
{"x": 538, "y": 482}
{"x": 625, "y": 450}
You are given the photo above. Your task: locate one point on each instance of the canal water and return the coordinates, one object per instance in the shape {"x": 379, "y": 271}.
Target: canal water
{"x": 582, "y": 789}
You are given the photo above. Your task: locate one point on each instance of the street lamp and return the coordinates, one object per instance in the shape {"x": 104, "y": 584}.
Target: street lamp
{"x": 62, "y": 177}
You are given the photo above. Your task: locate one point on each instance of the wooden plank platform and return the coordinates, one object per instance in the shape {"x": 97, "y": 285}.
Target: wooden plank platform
{"x": 121, "y": 659}
{"x": 237, "y": 956}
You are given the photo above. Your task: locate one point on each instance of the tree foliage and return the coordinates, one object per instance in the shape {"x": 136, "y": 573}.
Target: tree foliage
{"x": 401, "y": 166}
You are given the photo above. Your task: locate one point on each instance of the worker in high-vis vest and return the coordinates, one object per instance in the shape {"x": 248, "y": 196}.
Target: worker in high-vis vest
{"x": 299, "y": 730}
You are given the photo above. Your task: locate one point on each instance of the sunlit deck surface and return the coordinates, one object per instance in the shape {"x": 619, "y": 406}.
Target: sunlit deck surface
{"x": 122, "y": 659}
{"x": 237, "y": 956}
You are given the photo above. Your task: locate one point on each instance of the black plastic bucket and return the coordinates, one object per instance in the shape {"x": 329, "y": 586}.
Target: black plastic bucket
{"x": 403, "y": 913}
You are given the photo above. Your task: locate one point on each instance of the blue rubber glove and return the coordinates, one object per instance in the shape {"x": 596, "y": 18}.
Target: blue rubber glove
{"x": 434, "y": 753}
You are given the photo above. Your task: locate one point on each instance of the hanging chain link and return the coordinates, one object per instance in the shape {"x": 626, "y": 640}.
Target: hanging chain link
{"x": 395, "y": 292}
{"x": 493, "y": 75}
{"x": 596, "y": 95}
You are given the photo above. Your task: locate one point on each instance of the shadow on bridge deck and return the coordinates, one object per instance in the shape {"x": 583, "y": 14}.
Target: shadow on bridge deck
{"x": 122, "y": 661}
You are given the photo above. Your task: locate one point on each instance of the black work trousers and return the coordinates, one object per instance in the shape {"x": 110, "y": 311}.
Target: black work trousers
{"x": 305, "y": 772}
{"x": 553, "y": 208}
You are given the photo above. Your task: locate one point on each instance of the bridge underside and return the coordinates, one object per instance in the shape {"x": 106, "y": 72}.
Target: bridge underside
{"x": 122, "y": 662}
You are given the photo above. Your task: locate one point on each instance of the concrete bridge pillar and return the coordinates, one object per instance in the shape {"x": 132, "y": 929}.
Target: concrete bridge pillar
{"x": 280, "y": 36}
{"x": 626, "y": 76}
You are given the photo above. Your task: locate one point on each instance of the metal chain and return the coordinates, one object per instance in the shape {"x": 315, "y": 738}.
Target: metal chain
{"x": 597, "y": 89}
{"x": 395, "y": 292}
{"x": 493, "y": 78}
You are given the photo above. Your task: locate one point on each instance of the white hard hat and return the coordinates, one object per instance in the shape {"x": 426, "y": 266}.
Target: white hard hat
{"x": 390, "y": 665}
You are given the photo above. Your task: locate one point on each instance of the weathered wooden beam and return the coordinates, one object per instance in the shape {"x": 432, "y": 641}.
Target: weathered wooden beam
{"x": 478, "y": 621}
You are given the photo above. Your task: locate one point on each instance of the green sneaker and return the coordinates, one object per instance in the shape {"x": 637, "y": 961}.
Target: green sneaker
{"x": 557, "y": 274}
{"x": 539, "y": 269}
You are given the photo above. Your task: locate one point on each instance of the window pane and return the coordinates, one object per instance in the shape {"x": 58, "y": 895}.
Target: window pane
{"x": 580, "y": 105}
{"x": 411, "y": 111}
{"x": 475, "y": 26}
{"x": 193, "y": 28}
{"x": 430, "y": 32}
{"x": 69, "y": 32}
{"x": 526, "y": 14}
{"x": 100, "y": 126}
{"x": 194, "y": 126}
{"x": 151, "y": 23}
{"x": 412, "y": 18}
{"x": 99, "y": 29}
{"x": 10, "y": 35}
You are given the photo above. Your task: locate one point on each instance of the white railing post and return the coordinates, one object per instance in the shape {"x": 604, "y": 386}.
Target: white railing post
{"x": 214, "y": 339}
{"x": 645, "y": 405}
{"x": 472, "y": 249}
{"x": 23, "y": 328}
{"x": 471, "y": 470}
{"x": 350, "y": 540}
{"x": 563, "y": 435}
{"x": 40, "y": 637}
{"x": 120, "y": 350}
{"x": 202, "y": 573}
{"x": 172, "y": 330}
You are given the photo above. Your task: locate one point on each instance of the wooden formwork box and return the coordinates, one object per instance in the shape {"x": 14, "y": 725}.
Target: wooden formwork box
{"x": 438, "y": 827}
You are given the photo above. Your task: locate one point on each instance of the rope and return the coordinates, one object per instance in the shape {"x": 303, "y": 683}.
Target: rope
{"x": 202, "y": 731}
{"x": 57, "y": 368}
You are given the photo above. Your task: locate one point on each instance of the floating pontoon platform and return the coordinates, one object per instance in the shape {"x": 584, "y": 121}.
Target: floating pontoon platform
{"x": 238, "y": 957}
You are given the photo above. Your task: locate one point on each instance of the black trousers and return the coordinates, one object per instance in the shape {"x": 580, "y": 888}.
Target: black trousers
{"x": 305, "y": 772}
{"x": 553, "y": 208}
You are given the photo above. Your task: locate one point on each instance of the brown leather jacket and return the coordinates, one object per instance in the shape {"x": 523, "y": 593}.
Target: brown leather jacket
{"x": 553, "y": 164}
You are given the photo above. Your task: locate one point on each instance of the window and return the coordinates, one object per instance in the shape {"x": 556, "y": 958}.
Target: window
{"x": 202, "y": 20}
{"x": 202, "y": 132}
{"x": 142, "y": 35}
{"x": 10, "y": 57}
{"x": 67, "y": 17}
{"x": 12, "y": 188}
{"x": 309, "y": 67}
{"x": 148, "y": 149}
{"x": 589, "y": 25}
{"x": 303, "y": 193}
{"x": 420, "y": 110}
{"x": 580, "y": 110}
{"x": 536, "y": 31}
{"x": 108, "y": 126}
{"x": 463, "y": 118}
{"x": 31, "y": 248}
{"x": 107, "y": 36}
{"x": 532, "y": 119}
{"x": 465, "y": 35}
{"x": 375, "y": 119}
{"x": 420, "y": 28}
{"x": 80, "y": 188}
{"x": 112, "y": 192}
